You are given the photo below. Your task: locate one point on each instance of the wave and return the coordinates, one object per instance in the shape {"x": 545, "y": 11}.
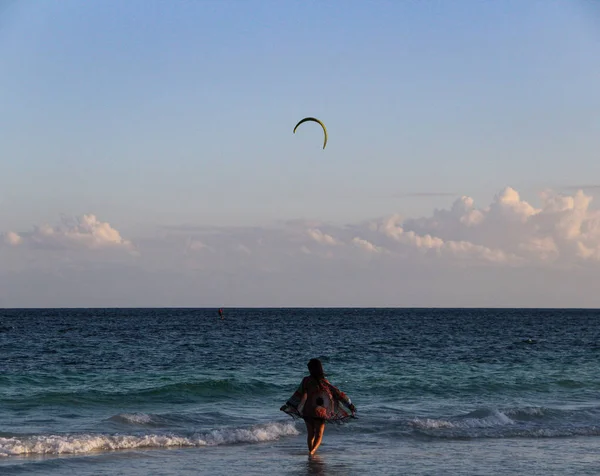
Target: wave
{"x": 170, "y": 420}
{"x": 481, "y": 386}
{"x": 209, "y": 388}
{"x": 140, "y": 419}
{"x": 528, "y": 422}
{"x": 90, "y": 443}
{"x": 489, "y": 419}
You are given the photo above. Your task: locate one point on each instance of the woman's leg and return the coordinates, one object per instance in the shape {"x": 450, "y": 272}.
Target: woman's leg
{"x": 318, "y": 429}
{"x": 310, "y": 434}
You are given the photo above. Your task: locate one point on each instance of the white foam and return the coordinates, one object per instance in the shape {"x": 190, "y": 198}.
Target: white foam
{"x": 429, "y": 423}
{"x": 527, "y": 411}
{"x": 88, "y": 443}
{"x": 137, "y": 418}
{"x": 495, "y": 419}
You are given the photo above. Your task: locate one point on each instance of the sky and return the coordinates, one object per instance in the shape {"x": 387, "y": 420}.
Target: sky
{"x": 147, "y": 155}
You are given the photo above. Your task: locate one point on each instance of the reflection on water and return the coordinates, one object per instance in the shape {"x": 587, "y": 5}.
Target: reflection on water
{"x": 324, "y": 465}
{"x": 315, "y": 465}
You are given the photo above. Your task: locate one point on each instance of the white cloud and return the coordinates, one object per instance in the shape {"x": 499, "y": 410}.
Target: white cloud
{"x": 464, "y": 254}
{"x": 508, "y": 204}
{"x": 510, "y": 231}
{"x": 366, "y": 245}
{"x": 320, "y": 237}
{"x": 562, "y": 230}
{"x": 85, "y": 232}
{"x": 13, "y": 239}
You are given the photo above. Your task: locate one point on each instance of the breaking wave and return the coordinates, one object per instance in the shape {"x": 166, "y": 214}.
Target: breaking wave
{"x": 89, "y": 443}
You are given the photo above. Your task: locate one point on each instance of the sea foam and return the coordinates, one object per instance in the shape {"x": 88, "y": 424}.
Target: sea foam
{"x": 88, "y": 443}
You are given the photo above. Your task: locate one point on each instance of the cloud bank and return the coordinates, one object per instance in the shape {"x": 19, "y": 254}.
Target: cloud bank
{"x": 509, "y": 249}
{"x": 85, "y": 232}
{"x": 563, "y": 231}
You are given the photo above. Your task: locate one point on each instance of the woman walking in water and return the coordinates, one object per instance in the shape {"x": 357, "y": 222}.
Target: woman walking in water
{"x": 322, "y": 403}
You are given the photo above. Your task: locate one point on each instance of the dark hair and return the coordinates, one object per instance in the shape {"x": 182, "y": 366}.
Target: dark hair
{"x": 316, "y": 369}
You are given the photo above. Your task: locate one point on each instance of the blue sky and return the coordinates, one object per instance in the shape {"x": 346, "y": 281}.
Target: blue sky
{"x": 150, "y": 114}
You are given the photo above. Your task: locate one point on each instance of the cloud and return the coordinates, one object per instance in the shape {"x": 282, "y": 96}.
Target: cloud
{"x": 510, "y": 251}
{"x": 13, "y": 239}
{"x": 428, "y": 243}
{"x": 366, "y": 245}
{"x": 560, "y": 230}
{"x": 563, "y": 229}
{"x": 323, "y": 238}
{"x": 85, "y": 232}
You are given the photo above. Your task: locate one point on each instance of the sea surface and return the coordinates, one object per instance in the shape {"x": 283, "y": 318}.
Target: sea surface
{"x": 180, "y": 391}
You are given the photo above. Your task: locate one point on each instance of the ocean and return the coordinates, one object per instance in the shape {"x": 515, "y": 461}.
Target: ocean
{"x": 180, "y": 391}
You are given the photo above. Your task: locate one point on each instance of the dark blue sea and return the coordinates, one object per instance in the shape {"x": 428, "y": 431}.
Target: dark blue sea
{"x": 180, "y": 391}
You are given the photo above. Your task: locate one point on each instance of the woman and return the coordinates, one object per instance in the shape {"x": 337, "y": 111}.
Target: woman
{"x": 322, "y": 402}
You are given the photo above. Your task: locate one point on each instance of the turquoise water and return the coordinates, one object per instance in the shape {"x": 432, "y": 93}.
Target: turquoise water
{"x": 178, "y": 391}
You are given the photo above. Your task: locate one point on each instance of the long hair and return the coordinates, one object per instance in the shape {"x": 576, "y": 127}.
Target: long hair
{"x": 316, "y": 369}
